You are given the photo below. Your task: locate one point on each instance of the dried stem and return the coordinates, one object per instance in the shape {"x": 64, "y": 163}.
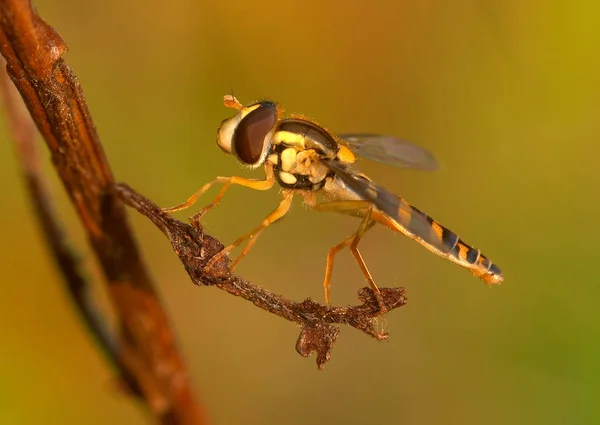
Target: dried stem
{"x": 23, "y": 133}
{"x": 146, "y": 343}
{"x": 194, "y": 248}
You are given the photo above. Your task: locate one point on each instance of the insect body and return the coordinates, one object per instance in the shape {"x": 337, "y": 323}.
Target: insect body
{"x": 306, "y": 159}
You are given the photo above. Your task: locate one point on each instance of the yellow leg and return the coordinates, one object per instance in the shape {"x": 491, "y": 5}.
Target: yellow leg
{"x": 227, "y": 182}
{"x": 365, "y": 225}
{"x": 278, "y": 213}
{"x": 330, "y": 258}
{"x": 360, "y": 208}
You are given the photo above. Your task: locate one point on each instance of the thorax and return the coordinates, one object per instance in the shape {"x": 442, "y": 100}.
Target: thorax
{"x": 298, "y": 168}
{"x": 298, "y": 148}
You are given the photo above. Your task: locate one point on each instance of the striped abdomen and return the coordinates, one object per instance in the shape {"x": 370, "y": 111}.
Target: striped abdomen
{"x": 446, "y": 243}
{"x": 403, "y": 217}
{"x": 397, "y": 214}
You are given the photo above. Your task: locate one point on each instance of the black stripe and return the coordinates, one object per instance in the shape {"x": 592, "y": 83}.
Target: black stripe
{"x": 472, "y": 255}
{"x": 455, "y": 251}
{"x": 449, "y": 240}
{"x": 494, "y": 269}
{"x": 485, "y": 262}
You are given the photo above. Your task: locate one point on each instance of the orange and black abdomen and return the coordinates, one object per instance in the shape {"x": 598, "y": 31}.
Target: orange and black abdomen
{"x": 397, "y": 214}
{"x": 446, "y": 243}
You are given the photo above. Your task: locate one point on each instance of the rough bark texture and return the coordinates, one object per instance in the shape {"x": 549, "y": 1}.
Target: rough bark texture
{"x": 146, "y": 344}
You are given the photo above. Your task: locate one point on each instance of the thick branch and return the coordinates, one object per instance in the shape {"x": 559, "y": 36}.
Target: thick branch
{"x": 195, "y": 248}
{"x": 147, "y": 346}
{"x": 23, "y": 132}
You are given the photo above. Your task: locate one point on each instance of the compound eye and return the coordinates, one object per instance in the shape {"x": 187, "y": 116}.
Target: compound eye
{"x": 250, "y": 137}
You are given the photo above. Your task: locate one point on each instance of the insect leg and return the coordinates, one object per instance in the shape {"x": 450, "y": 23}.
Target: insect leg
{"x": 330, "y": 258}
{"x": 265, "y": 184}
{"x": 355, "y": 207}
{"x": 365, "y": 225}
{"x": 278, "y": 213}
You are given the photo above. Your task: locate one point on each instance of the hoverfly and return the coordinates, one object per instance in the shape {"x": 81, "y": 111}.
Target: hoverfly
{"x": 306, "y": 159}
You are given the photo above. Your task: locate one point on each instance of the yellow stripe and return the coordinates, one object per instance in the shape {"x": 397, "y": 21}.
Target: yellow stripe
{"x": 292, "y": 139}
{"x": 438, "y": 230}
{"x": 463, "y": 250}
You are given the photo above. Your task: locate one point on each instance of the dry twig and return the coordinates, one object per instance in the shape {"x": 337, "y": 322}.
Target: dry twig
{"x": 195, "y": 248}
{"x": 23, "y": 133}
{"x": 146, "y": 343}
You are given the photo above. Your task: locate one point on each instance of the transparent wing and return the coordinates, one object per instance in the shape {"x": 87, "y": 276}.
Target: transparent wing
{"x": 416, "y": 223}
{"x": 390, "y": 150}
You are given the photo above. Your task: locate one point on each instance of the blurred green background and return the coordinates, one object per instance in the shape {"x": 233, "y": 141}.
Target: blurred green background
{"x": 507, "y": 95}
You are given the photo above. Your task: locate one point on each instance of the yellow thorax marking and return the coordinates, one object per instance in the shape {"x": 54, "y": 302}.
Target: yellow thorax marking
{"x": 345, "y": 155}
{"x": 292, "y": 139}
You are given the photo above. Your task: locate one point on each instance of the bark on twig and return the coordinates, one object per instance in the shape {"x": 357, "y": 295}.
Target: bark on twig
{"x": 319, "y": 331}
{"x": 23, "y": 133}
{"x": 146, "y": 343}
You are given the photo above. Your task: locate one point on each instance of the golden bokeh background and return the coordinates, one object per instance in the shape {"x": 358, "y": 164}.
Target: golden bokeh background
{"x": 507, "y": 95}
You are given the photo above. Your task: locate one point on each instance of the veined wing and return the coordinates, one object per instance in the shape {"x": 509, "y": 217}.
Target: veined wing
{"x": 390, "y": 150}
{"x": 414, "y": 222}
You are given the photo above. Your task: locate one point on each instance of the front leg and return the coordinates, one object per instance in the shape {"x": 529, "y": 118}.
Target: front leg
{"x": 265, "y": 184}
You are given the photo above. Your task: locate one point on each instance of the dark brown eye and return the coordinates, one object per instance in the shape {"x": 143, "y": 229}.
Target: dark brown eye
{"x": 249, "y": 137}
